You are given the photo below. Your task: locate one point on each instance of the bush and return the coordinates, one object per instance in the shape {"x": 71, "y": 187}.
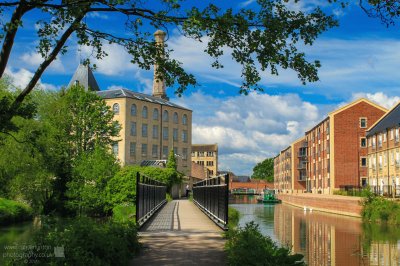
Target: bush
{"x": 379, "y": 210}
{"x": 84, "y": 242}
{"x": 124, "y": 213}
{"x": 14, "y": 212}
{"x": 247, "y": 246}
{"x": 233, "y": 217}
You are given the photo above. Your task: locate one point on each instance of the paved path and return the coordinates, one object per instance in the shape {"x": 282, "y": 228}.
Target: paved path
{"x": 180, "y": 234}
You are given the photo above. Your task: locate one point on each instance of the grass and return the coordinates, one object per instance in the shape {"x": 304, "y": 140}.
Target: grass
{"x": 377, "y": 209}
{"x": 233, "y": 217}
{"x": 124, "y": 213}
{"x": 13, "y": 212}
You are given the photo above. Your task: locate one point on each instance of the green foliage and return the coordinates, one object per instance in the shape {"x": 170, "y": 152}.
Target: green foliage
{"x": 377, "y": 209}
{"x": 121, "y": 188}
{"x": 247, "y": 246}
{"x": 85, "y": 242}
{"x": 233, "y": 217}
{"x": 354, "y": 192}
{"x": 125, "y": 212}
{"x": 14, "y": 212}
{"x": 264, "y": 170}
{"x": 171, "y": 163}
{"x": 87, "y": 188}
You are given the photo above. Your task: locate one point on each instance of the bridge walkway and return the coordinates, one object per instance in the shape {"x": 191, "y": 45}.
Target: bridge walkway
{"x": 181, "y": 234}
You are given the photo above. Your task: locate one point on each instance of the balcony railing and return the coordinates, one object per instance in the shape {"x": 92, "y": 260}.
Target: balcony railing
{"x": 301, "y": 166}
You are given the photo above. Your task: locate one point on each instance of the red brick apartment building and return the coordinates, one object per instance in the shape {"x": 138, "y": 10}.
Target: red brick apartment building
{"x": 332, "y": 154}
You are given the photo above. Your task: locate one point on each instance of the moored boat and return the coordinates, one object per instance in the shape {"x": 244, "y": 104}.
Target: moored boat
{"x": 268, "y": 196}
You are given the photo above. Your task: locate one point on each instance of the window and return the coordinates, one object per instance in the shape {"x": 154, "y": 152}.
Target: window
{"x": 165, "y": 116}
{"x": 155, "y": 114}
{"x": 373, "y": 142}
{"x": 116, "y": 108}
{"x": 165, "y": 152}
{"x": 363, "y": 122}
{"x": 391, "y": 134}
{"x": 397, "y": 158}
{"x": 184, "y": 119}
{"x": 200, "y": 153}
{"x": 392, "y": 157}
{"x": 184, "y": 136}
{"x": 200, "y": 162}
{"x": 132, "y": 149}
{"x": 175, "y": 151}
{"x": 154, "y": 151}
{"x": 175, "y": 118}
{"x": 384, "y": 137}
{"x": 115, "y": 148}
{"x": 184, "y": 153}
{"x": 175, "y": 134}
{"x": 380, "y": 140}
{"x": 380, "y": 162}
{"x": 133, "y": 110}
{"x": 384, "y": 159}
{"x": 144, "y": 130}
{"x": 144, "y": 150}
{"x": 210, "y": 163}
{"x": 155, "y": 132}
{"x": 144, "y": 112}
{"x": 165, "y": 133}
{"x": 133, "y": 128}
{"x": 193, "y": 154}
{"x": 396, "y": 131}
{"x": 210, "y": 153}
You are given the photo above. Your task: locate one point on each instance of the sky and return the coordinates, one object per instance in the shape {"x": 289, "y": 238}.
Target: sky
{"x": 360, "y": 58}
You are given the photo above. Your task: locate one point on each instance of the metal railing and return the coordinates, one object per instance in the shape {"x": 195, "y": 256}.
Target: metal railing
{"x": 212, "y": 197}
{"x": 150, "y": 196}
{"x": 386, "y": 190}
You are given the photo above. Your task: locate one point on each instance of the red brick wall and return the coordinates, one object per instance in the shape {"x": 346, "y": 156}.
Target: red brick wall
{"x": 298, "y": 185}
{"x": 256, "y": 184}
{"x": 347, "y": 142}
{"x": 329, "y": 203}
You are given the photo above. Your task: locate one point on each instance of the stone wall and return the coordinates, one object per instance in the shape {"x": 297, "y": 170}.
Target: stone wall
{"x": 326, "y": 203}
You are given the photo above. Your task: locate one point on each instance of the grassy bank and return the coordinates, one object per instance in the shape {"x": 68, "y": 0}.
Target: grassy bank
{"x": 13, "y": 212}
{"x": 233, "y": 217}
{"x": 377, "y": 209}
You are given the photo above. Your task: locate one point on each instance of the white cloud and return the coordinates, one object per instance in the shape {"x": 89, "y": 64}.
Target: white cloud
{"x": 32, "y": 60}
{"x": 246, "y": 3}
{"x": 96, "y": 15}
{"x": 249, "y": 128}
{"x": 379, "y": 98}
{"x": 20, "y": 78}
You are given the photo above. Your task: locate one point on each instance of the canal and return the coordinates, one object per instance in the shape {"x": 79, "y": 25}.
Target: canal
{"x": 323, "y": 239}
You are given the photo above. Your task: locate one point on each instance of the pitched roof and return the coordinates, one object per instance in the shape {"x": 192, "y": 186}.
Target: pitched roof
{"x": 84, "y": 76}
{"x": 388, "y": 120}
{"x": 124, "y": 93}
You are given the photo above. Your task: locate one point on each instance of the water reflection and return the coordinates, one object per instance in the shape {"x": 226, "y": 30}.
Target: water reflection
{"x": 325, "y": 239}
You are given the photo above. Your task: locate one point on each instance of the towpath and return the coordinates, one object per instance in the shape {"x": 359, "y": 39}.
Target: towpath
{"x": 181, "y": 234}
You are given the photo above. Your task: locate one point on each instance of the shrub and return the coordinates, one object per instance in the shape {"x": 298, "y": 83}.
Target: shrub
{"x": 13, "y": 212}
{"x": 247, "y": 246}
{"x": 124, "y": 213}
{"x": 85, "y": 242}
{"x": 379, "y": 210}
{"x": 233, "y": 217}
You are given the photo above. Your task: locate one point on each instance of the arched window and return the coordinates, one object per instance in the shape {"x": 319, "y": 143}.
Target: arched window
{"x": 165, "y": 116}
{"x": 184, "y": 119}
{"x": 144, "y": 112}
{"x": 176, "y": 118}
{"x": 133, "y": 110}
{"x": 116, "y": 108}
{"x": 155, "y": 114}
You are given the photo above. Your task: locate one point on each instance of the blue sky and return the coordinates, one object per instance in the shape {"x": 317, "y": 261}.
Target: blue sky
{"x": 360, "y": 58}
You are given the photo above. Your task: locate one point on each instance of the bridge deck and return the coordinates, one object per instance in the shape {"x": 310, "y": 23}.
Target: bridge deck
{"x": 180, "y": 234}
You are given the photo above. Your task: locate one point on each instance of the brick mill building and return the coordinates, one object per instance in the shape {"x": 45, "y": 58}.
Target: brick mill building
{"x": 151, "y": 125}
{"x": 383, "y": 139}
{"x": 331, "y": 155}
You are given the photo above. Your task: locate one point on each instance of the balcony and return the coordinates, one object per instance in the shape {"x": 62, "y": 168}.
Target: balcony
{"x": 302, "y": 178}
{"x": 301, "y": 154}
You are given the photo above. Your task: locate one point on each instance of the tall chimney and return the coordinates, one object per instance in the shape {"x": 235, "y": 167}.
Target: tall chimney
{"x": 159, "y": 84}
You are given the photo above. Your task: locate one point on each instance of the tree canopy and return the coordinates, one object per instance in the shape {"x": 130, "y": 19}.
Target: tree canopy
{"x": 264, "y": 170}
{"x": 267, "y": 37}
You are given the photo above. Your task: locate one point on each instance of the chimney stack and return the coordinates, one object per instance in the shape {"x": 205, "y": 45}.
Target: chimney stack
{"x": 159, "y": 89}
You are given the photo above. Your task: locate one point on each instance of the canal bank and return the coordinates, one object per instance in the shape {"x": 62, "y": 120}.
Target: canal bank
{"x": 337, "y": 204}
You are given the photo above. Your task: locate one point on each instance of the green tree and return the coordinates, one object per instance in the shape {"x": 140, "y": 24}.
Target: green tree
{"x": 87, "y": 190}
{"x": 264, "y": 170}
{"x": 171, "y": 162}
{"x": 267, "y": 37}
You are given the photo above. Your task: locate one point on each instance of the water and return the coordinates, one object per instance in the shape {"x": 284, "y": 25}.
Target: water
{"x": 323, "y": 239}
